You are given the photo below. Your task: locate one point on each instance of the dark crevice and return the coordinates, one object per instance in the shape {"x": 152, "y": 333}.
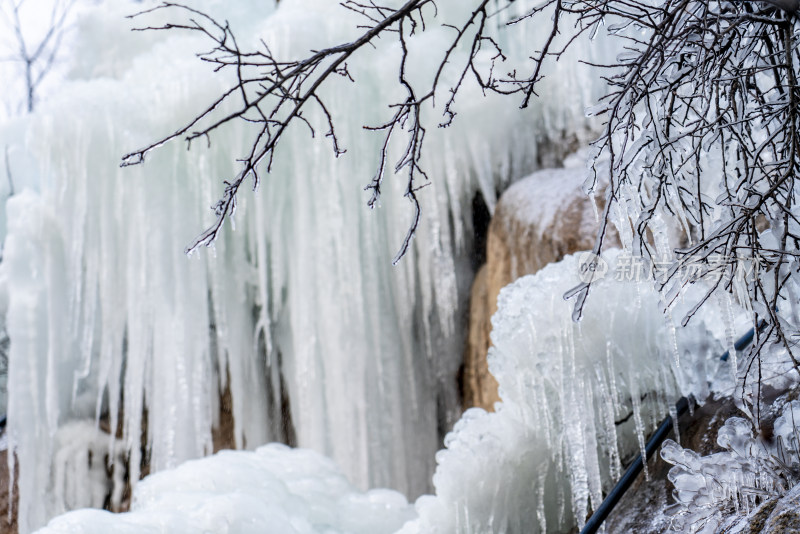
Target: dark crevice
{"x": 480, "y": 227}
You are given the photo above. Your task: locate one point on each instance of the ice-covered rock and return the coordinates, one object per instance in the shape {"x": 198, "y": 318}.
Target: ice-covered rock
{"x": 643, "y": 507}
{"x": 273, "y": 490}
{"x": 538, "y": 220}
{"x": 784, "y": 515}
{"x": 89, "y": 468}
{"x": 577, "y": 398}
{"x": 721, "y": 489}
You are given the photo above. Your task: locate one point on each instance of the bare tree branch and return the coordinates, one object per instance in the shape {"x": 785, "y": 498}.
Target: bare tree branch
{"x": 37, "y": 55}
{"x": 274, "y": 93}
{"x": 701, "y": 128}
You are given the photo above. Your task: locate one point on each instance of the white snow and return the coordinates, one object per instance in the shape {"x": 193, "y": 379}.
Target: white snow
{"x": 274, "y": 489}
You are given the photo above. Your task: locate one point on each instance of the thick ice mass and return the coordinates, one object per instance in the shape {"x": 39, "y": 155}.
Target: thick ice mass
{"x": 577, "y": 399}
{"x": 272, "y": 490}
{"x": 297, "y": 307}
{"x": 299, "y": 316}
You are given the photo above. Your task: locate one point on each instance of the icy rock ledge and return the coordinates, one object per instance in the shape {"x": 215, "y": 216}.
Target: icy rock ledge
{"x": 273, "y": 490}
{"x": 729, "y": 489}
{"x": 577, "y": 398}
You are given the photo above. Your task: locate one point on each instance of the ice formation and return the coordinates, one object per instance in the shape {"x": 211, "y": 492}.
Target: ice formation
{"x": 84, "y": 473}
{"x": 717, "y": 490}
{"x": 273, "y": 490}
{"x": 297, "y": 307}
{"x": 576, "y": 400}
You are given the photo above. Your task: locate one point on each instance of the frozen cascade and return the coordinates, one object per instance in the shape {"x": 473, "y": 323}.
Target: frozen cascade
{"x": 533, "y": 465}
{"x": 109, "y": 320}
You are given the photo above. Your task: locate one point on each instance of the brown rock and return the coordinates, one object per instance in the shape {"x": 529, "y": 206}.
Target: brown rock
{"x": 8, "y": 497}
{"x": 223, "y": 434}
{"x": 784, "y": 515}
{"x": 479, "y": 386}
{"x": 538, "y": 220}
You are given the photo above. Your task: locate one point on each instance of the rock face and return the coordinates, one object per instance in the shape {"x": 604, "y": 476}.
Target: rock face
{"x": 785, "y": 515}
{"x": 8, "y": 497}
{"x": 538, "y": 220}
{"x": 480, "y": 387}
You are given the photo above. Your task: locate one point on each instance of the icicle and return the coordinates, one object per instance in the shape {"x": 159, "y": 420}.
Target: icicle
{"x": 637, "y": 418}
{"x": 608, "y": 410}
{"x": 540, "y": 504}
{"x": 673, "y": 338}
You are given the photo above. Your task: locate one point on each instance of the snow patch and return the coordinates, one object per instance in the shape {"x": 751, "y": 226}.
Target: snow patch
{"x": 272, "y": 490}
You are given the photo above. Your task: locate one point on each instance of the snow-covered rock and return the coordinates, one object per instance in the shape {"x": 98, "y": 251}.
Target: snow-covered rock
{"x": 273, "y": 490}
{"x": 538, "y": 220}
{"x": 542, "y": 460}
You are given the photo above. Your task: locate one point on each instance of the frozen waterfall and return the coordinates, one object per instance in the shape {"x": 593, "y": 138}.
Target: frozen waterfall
{"x": 296, "y": 308}
{"x": 576, "y": 399}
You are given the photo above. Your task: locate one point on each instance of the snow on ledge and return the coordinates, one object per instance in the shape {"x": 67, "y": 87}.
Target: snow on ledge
{"x": 275, "y": 489}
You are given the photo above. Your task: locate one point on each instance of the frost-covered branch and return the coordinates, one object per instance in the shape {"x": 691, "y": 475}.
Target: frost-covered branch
{"x": 701, "y": 128}
{"x": 274, "y": 93}
{"x": 702, "y": 131}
